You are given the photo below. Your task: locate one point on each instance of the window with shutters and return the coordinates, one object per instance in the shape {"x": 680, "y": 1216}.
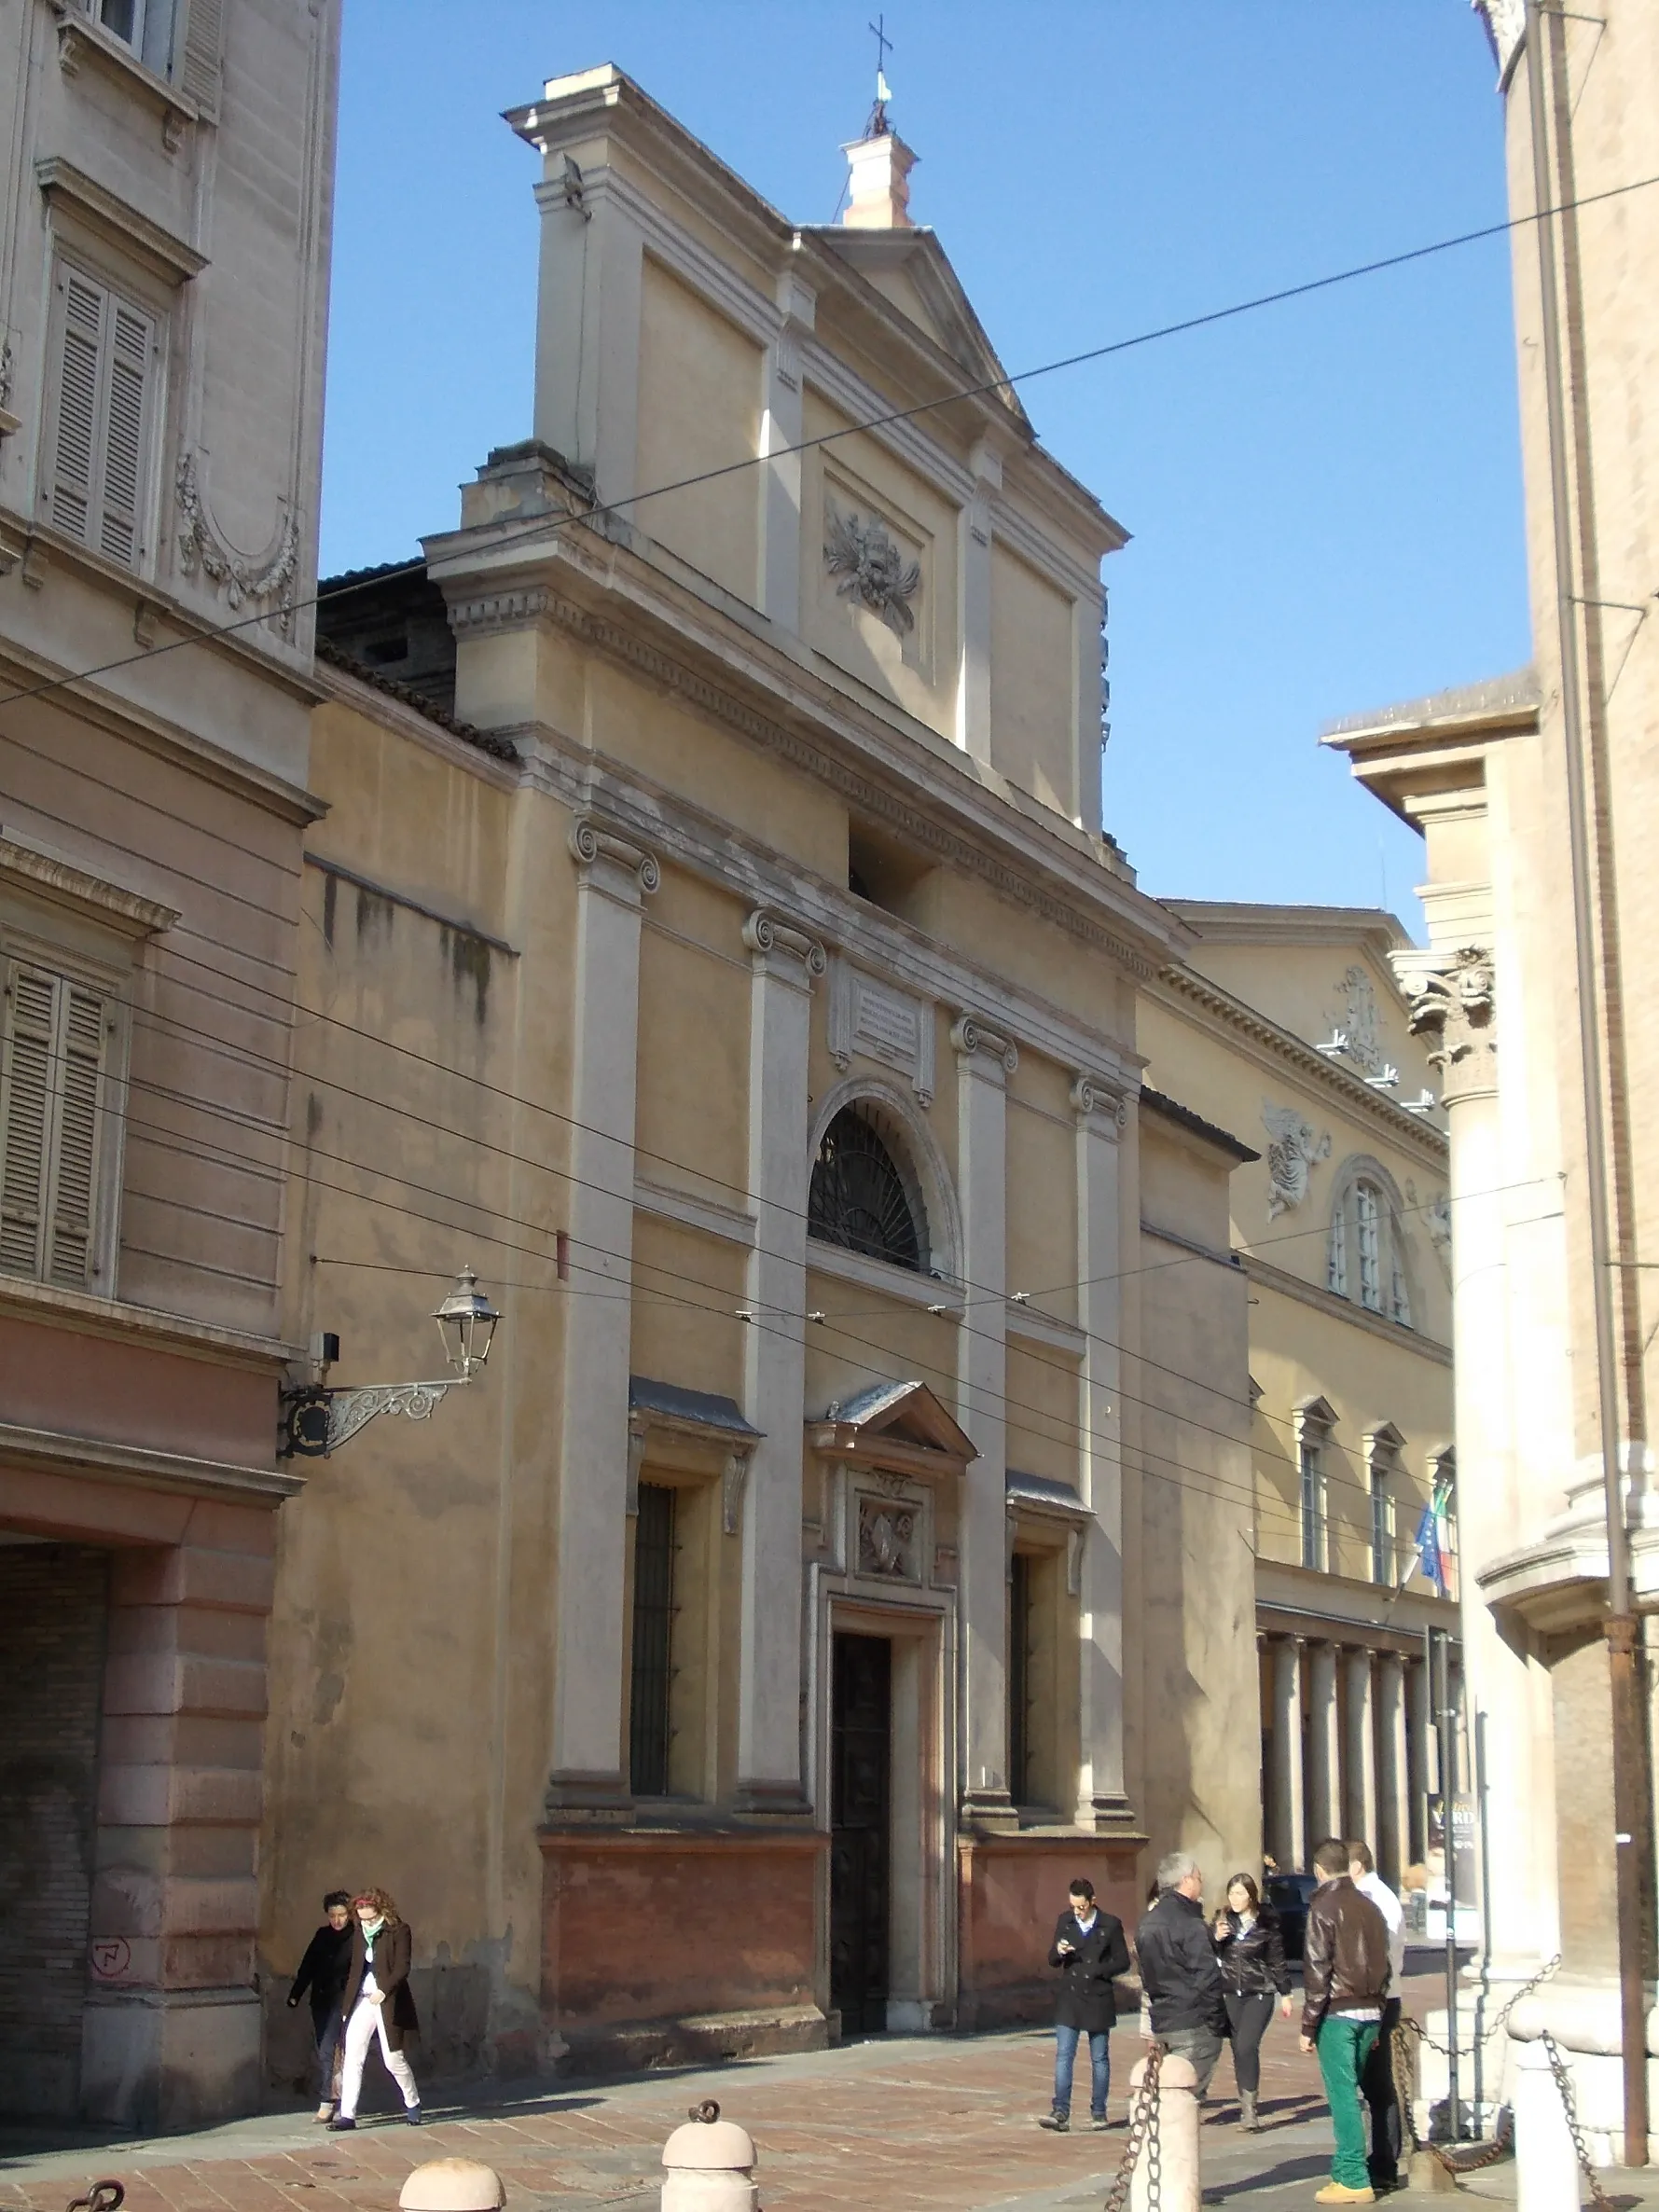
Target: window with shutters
{"x": 57, "y": 1034}
{"x": 95, "y": 473}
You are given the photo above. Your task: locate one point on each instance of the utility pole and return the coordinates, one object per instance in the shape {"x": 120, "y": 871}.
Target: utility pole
{"x": 1631, "y": 1788}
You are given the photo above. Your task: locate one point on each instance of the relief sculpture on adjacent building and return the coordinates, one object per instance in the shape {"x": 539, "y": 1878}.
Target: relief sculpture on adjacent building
{"x": 1293, "y": 1151}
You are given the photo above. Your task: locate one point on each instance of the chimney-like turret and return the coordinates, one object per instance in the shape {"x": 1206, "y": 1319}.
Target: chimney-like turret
{"x": 879, "y": 194}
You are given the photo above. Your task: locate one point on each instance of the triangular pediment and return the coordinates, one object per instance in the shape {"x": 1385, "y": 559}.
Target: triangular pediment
{"x": 900, "y": 1413}
{"x": 912, "y": 273}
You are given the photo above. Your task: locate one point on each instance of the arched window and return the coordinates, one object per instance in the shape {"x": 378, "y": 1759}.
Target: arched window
{"x": 1367, "y": 1250}
{"x": 860, "y": 1197}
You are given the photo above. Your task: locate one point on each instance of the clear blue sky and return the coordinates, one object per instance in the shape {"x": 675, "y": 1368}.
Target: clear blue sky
{"x": 1324, "y": 498}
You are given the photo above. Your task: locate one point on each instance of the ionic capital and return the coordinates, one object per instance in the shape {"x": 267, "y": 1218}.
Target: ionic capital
{"x": 781, "y": 947}
{"x": 1095, "y": 1098}
{"x": 594, "y": 844}
{"x": 971, "y": 1037}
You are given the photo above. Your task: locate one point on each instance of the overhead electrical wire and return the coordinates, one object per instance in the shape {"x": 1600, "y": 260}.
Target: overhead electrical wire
{"x": 989, "y": 386}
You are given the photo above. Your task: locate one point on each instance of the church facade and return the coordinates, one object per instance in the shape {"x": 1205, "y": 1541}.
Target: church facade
{"x": 712, "y": 939}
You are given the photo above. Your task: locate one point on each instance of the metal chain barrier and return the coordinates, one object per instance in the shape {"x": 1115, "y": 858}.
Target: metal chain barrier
{"x": 1569, "y": 2105}
{"x": 1143, "y": 2133}
{"x": 1503, "y": 2143}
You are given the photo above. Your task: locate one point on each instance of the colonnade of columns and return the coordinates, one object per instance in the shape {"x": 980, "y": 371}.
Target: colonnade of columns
{"x": 1346, "y": 1750}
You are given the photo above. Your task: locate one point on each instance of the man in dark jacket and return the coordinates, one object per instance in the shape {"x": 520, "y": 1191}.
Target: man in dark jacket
{"x": 1345, "y": 1982}
{"x": 323, "y": 1972}
{"x": 1178, "y": 1968}
{"x": 1090, "y": 1952}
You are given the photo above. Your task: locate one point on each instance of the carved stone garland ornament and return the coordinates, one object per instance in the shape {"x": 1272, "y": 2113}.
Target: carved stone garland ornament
{"x": 1293, "y": 1154}
{"x": 872, "y": 569}
{"x": 200, "y": 546}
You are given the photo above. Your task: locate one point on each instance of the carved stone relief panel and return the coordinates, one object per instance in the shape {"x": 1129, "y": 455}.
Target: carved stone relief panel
{"x": 889, "y": 1538}
{"x": 1293, "y": 1151}
{"x": 881, "y": 1023}
{"x": 869, "y": 568}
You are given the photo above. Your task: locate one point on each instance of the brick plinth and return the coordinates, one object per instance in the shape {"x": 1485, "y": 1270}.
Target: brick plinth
{"x": 1012, "y": 1890}
{"x": 667, "y": 1947}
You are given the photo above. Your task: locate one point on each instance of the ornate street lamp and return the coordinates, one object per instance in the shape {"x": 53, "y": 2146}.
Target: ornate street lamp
{"x": 317, "y": 1420}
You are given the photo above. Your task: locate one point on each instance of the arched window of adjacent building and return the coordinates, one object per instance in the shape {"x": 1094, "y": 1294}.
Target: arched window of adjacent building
{"x": 1367, "y": 1254}
{"x": 1315, "y": 1419}
{"x": 862, "y": 1198}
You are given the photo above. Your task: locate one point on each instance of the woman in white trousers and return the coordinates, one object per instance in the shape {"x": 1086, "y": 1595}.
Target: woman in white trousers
{"x": 377, "y": 2005}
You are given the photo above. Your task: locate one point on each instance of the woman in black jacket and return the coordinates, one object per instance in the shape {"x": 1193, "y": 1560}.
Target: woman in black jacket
{"x": 323, "y": 1972}
{"x": 1250, "y": 1948}
{"x": 1090, "y": 1950}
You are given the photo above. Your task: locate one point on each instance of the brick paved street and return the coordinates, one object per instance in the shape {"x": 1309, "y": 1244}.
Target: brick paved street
{"x": 920, "y": 2122}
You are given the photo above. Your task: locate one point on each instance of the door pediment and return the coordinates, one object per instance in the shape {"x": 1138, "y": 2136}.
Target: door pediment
{"x": 900, "y": 1425}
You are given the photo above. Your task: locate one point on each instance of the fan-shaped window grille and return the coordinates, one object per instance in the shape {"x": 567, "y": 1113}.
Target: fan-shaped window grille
{"x": 858, "y": 1198}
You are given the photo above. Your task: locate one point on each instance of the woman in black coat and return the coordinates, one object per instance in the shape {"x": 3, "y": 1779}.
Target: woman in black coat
{"x": 1250, "y": 1948}
{"x": 1090, "y": 1951}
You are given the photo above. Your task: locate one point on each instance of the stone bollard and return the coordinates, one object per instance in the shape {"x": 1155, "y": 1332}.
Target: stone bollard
{"x": 453, "y": 2185}
{"x": 1179, "y": 2186}
{"x": 711, "y": 2165}
{"x": 1546, "y": 2164}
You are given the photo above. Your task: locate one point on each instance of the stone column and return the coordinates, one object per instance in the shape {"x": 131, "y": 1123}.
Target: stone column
{"x": 1416, "y": 1755}
{"x": 1392, "y": 1846}
{"x": 1101, "y": 1115}
{"x": 786, "y": 959}
{"x": 1359, "y": 1777}
{"x": 1324, "y": 1762}
{"x": 613, "y": 876}
{"x": 1454, "y": 1007}
{"x": 984, "y": 1062}
{"x": 779, "y": 435}
{"x": 974, "y": 565}
{"x": 1287, "y": 1838}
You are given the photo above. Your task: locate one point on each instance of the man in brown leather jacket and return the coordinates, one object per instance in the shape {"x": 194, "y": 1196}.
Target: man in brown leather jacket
{"x": 1345, "y": 1980}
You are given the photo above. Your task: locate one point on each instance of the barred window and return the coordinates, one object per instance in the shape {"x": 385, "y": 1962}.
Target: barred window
{"x": 860, "y": 1198}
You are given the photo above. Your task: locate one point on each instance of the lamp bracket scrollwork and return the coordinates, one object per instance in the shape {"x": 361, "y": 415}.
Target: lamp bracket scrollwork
{"x": 316, "y": 1420}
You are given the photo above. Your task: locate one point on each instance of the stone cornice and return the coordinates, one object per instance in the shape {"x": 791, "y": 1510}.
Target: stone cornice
{"x": 1182, "y": 988}
{"x": 57, "y": 1452}
{"x": 884, "y": 943}
{"x": 858, "y": 754}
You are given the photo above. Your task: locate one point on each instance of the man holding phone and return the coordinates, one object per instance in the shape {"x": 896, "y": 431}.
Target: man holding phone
{"x": 1090, "y": 1951}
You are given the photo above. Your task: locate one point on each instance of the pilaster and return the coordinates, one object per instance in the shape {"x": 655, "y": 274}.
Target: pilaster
{"x": 1101, "y": 1114}
{"x": 588, "y": 327}
{"x": 614, "y": 877}
{"x": 781, "y": 433}
{"x": 984, "y": 1060}
{"x": 785, "y": 962}
{"x": 973, "y": 566}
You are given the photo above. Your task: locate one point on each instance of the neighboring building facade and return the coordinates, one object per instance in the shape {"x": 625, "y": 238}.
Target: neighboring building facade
{"x": 1344, "y": 1227}
{"x": 163, "y": 263}
{"x": 1490, "y": 776}
{"x": 742, "y": 985}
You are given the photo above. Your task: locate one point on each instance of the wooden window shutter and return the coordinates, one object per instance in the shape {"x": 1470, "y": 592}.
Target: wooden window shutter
{"x": 76, "y": 431}
{"x": 199, "y": 66}
{"x": 26, "y": 1116}
{"x": 56, "y": 1033}
{"x": 121, "y": 477}
{"x": 73, "y": 1194}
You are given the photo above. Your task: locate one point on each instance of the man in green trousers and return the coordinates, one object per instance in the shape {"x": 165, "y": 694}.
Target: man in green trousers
{"x": 1345, "y": 1982}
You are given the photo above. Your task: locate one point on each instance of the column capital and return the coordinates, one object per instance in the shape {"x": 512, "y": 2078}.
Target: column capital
{"x": 1453, "y": 1000}
{"x": 1099, "y": 1102}
{"x": 974, "y": 1038}
{"x": 782, "y": 948}
{"x": 599, "y": 850}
